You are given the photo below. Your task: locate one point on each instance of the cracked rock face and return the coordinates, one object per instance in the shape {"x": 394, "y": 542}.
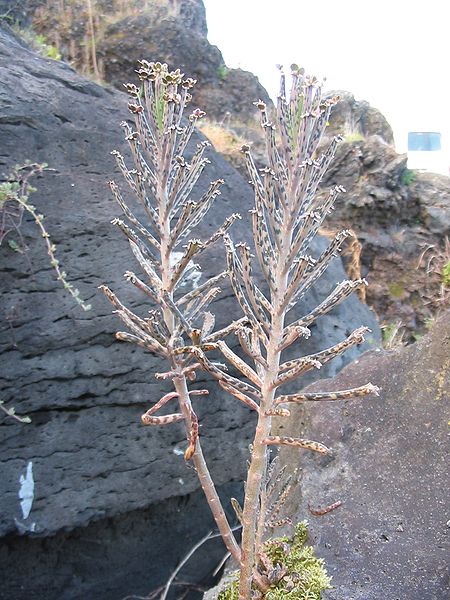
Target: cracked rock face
{"x": 86, "y": 458}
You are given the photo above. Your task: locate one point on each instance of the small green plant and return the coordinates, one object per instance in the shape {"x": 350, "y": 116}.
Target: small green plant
{"x": 14, "y": 201}
{"x": 445, "y": 274}
{"x": 38, "y": 42}
{"x": 429, "y": 322}
{"x": 295, "y": 573}
{"x": 353, "y": 137}
{"x": 408, "y": 177}
{"x": 392, "y": 335}
{"x": 11, "y": 412}
{"x": 222, "y": 72}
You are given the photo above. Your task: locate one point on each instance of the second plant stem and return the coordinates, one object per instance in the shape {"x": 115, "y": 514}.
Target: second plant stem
{"x": 258, "y": 464}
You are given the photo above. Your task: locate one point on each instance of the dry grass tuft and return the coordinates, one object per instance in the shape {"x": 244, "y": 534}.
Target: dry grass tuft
{"x": 352, "y": 257}
{"x": 435, "y": 262}
{"x": 224, "y": 140}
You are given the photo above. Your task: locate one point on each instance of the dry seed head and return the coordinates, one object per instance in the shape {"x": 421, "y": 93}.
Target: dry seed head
{"x": 188, "y": 83}
{"x": 132, "y": 136}
{"x": 260, "y": 105}
{"x": 135, "y": 109}
{"x": 196, "y": 114}
{"x": 132, "y": 89}
{"x": 172, "y": 97}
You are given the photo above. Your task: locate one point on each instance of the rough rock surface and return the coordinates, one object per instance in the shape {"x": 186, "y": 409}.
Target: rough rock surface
{"x": 396, "y": 214}
{"x": 358, "y": 117}
{"x": 220, "y": 90}
{"x": 85, "y": 458}
{"x": 173, "y": 31}
{"x": 116, "y": 558}
{"x": 388, "y": 539}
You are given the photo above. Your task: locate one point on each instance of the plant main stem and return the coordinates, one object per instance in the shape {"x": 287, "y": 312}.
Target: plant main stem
{"x": 258, "y": 465}
{"x": 180, "y": 385}
{"x": 204, "y": 476}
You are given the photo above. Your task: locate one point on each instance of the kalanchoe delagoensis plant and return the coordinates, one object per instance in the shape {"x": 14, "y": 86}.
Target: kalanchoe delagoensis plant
{"x": 163, "y": 180}
{"x": 286, "y": 217}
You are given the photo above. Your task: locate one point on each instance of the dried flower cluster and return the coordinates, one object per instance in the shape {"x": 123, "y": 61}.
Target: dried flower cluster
{"x": 286, "y": 217}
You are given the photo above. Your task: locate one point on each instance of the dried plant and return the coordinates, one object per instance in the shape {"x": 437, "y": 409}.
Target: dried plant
{"x": 286, "y": 217}
{"x": 351, "y": 256}
{"x": 162, "y": 180}
{"x": 435, "y": 261}
{"x": 14, "y": 201}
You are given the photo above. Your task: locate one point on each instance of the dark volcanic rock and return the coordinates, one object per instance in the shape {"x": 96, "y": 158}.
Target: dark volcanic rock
{"x": 371, "y": 172}
{"x": 232, "y": 96}
{"x": 171, "y": 31}
{"x": 133, "y": 38}
{"x": 388, "y": 539}
{"x": 116, "y": 558}
{"x": 397, "y": 215}
{"x": 86, "y": 457}
{"x": 353, "y": 117}
{"x": 219, "y": 90}
{"x": 432, "y": 192}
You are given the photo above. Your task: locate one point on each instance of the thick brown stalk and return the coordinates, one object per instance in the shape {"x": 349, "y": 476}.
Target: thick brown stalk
{"x": 204, "y": 476}
{"x": 180, "y": 385}
{"x": 251, "y": 525}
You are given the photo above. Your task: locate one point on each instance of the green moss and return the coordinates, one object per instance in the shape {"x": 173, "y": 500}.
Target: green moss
{"x": 408, "y": 177}
{"x": 222, "y": 72}
{"x": 396, "y": 290}
{"x": 306, "y": 575}
{"x": 445, "y": 274}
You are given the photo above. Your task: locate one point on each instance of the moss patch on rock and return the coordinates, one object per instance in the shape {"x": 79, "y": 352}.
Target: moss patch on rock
{"x": 305, "y": 575}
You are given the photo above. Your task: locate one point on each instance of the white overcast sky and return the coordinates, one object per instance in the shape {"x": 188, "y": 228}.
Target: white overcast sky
{"x": 395, "y": 54}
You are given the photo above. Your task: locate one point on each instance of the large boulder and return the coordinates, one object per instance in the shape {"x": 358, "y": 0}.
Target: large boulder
{"x": 172, "y": 31}
{"x": 388, "y": 539}
{"x": 358, "y": 118}
{"x": 220, "y": 92}
{"x": 401, "y": 218}
{"x": 85, "y": 469}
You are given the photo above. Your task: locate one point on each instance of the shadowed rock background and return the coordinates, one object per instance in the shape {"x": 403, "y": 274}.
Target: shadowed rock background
{"x": 114, "y": 506}
{"x": 389, "y": 539}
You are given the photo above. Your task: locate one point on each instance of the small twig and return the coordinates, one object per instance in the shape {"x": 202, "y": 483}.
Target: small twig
{"x": 210, "y": 535}
{"x": 317, "y": 512}
{"x": 221, "y": 563}
{"x": 11, "y": 412}
{"x": 20, "y": 177}
{"x": 159, "y": 589}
